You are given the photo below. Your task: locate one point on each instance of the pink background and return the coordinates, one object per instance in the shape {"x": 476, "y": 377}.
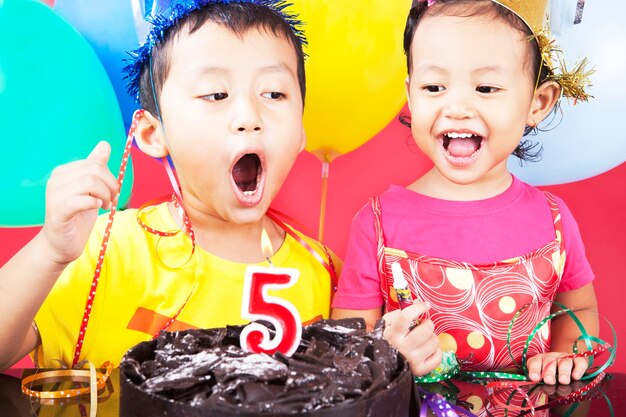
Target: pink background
{"x": 598, "y": 203}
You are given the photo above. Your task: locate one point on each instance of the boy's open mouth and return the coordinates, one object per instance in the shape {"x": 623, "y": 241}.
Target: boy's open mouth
{"x": 461, "y": 145}
{"x": 248, "y": 179}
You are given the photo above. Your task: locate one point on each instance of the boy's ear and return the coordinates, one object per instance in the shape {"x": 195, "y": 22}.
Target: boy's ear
{"x": 303, "y": 144}
{"x": 544, "y": 100}
{"x": 149, "y": 136}
{"x": 407, "y": 87}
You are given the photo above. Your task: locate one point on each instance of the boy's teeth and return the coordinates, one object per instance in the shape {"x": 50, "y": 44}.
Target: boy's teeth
{"x": 248, "y": 192}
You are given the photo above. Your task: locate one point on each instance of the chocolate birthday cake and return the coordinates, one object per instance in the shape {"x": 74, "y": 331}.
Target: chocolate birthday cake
{"x": 339, "y": 369}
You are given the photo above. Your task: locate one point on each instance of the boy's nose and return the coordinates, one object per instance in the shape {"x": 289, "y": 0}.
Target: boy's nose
{"x": 250, "y": 128}
{"x": 247, "y": 117}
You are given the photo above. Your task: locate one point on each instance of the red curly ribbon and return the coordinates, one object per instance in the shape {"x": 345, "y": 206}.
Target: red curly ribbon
{"x": 329, "y": 266}
{"x": 105, "y": 241}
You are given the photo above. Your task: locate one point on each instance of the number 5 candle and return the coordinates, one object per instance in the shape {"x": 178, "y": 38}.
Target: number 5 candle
{"x": 257, "y": 304}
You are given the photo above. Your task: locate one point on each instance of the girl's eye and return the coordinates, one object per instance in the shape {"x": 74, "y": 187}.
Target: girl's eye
{"x": 434, "y": 88}
{"x": 274, "y": 95}
{"x": 216, "y": 96}
{"x": 485, "y": 89}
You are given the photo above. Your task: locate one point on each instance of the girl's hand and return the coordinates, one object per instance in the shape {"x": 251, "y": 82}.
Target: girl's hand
{"x": 74, "y": 194}
{"x": 548, "y": 367}
{"x": 419, "y": 344}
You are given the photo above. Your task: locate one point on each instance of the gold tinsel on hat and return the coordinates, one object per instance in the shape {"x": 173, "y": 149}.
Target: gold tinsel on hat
{"x": 535, "y": 14}
{"x": 573, "y": 82}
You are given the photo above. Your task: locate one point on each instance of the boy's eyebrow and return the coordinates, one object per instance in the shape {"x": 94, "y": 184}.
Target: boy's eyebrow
{"x": 280, "y": 67}
{"x": 209, "y": 70}
{"x": 429, "y": 67}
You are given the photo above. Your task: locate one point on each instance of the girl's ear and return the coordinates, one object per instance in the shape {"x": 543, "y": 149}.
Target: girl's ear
{"x": 544, "y": 100}
{"x": 149, "y": 135}
{"x": 407, "y": 87}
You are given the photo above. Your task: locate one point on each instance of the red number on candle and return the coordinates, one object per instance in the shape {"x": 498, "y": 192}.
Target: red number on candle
{"x": 258, "y": 305}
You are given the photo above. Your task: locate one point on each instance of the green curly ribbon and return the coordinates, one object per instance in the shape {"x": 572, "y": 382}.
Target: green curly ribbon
{"x": 450, "y": 367}
{"x": 584, "y": 337}
{"x": 561, "y": 312}
{"x": 492, "y": 375}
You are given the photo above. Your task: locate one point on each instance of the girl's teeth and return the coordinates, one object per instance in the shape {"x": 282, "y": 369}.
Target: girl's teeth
{"x": 454, "y": 135}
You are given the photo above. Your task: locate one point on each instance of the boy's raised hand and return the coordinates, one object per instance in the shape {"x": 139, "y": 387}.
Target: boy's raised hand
{"x": 74, "y": 194}
{"x": 419, "y": 344}
{"x": 552, "y": 370}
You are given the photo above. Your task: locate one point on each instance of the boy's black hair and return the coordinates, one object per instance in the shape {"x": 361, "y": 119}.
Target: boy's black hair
{"x": 526, "y": 150}
{"x": 238, "y": 17}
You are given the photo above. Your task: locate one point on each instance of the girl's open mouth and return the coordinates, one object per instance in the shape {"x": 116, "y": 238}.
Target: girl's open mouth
{"x": 461, "y": 148}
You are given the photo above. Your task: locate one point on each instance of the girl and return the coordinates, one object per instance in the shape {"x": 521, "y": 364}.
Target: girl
{"x": 475, "y": 244}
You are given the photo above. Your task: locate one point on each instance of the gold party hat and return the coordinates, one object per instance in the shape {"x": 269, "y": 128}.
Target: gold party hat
{"x": 533, "y": 12}
{"x": 536, "y": 16}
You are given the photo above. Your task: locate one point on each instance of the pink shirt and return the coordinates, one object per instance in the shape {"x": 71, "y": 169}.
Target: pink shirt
{"x": 511, "y": 224}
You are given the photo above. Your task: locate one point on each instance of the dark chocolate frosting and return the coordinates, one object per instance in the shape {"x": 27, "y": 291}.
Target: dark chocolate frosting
{"x": 337, "y": 366}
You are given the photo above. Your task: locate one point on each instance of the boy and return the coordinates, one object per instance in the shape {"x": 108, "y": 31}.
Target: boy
{"x": 222, "y": 85}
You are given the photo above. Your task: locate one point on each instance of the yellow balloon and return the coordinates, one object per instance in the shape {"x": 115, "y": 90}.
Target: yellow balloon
{"x": 355, "y": 71}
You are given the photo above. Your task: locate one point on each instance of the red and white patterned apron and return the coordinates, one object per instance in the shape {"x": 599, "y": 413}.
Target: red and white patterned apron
{"x": 472, "y": 305}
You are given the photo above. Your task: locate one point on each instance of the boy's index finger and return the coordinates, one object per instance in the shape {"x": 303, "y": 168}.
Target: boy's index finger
{"x": 100, "y": 152}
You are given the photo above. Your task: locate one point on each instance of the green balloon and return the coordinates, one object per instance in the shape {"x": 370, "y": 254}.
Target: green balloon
{"x": 56, "y": 103}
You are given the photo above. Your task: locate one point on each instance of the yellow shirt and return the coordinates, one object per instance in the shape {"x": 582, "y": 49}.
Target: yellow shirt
{"x": 146, "y": 279}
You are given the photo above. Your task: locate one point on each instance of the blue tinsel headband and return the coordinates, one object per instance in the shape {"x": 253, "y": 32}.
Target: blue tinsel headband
{"x": 162, "y": 23}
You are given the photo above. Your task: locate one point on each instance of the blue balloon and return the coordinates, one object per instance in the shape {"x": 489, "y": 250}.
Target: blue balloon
{"x": 590, "y": 138}
{"x": 109, "y": 27}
